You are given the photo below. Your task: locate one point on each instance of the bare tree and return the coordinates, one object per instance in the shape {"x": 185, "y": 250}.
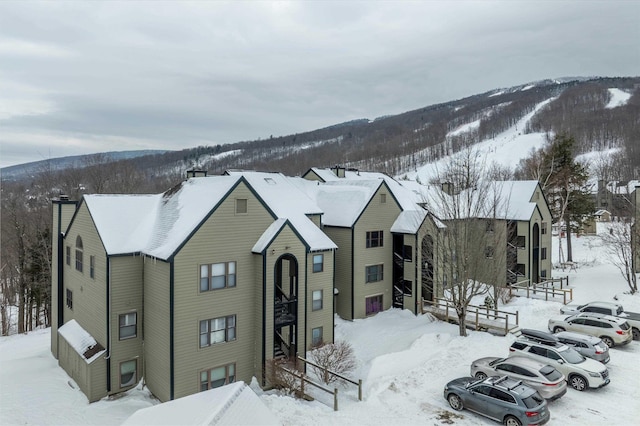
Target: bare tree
{"x": 335, "y": 357}
{"x": 471, "y": 251}
{"x": 618, "y": 245}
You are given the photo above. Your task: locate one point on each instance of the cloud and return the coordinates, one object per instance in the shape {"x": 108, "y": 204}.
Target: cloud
{"x": 177, "y": 73}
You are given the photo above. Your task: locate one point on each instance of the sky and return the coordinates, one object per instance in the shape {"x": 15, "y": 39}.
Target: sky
{"x": 86, "y": 77}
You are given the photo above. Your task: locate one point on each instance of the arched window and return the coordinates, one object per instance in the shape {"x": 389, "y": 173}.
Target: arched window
{"x": 79, "y": 253}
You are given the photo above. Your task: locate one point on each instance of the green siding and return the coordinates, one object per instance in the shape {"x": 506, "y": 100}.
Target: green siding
{"x": 155, "y": 328}
{"x": 343, "y": 269}
{"x": 377, "y": 216}
{"x": 224, "y": 237}
{"x": 126, "y": 296}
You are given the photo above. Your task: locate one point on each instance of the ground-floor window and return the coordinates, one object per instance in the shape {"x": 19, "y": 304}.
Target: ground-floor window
{"x": 217, "y": 377}
{"x": 316, "y": 336}
{"x": 373, "y": 304}
{"x": 128, "y": 375}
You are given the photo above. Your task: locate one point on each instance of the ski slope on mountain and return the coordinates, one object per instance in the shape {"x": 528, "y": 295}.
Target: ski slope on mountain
{"x": 506, "y": 149}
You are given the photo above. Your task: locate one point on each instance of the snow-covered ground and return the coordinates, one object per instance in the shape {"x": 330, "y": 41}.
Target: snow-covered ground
{"x": 403, "y": 360}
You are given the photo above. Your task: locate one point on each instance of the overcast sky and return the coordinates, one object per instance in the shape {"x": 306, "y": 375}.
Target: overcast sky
{"x": 85, "y": 77}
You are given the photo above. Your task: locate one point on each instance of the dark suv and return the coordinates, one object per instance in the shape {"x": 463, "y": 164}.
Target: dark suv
{"x": 501, "y": 399}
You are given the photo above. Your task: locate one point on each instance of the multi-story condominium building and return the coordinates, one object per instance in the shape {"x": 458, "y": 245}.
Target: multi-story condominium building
{"x": 193, "y": 288}
{"x": 206, "y": 283}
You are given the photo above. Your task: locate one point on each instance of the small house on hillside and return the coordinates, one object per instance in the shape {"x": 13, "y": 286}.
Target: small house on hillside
{"x": 602, "y": 216}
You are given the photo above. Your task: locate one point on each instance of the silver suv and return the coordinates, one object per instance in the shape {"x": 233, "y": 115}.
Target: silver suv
{"x": 581, "y": 372}
{"x": 589, "y": 346}
{"x": 612, "y": 330}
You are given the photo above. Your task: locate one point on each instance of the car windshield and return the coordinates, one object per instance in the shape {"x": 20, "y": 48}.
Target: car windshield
{"x": 550, "y": 373}
{"x": 571, "y": 356}
{"x": 533, "y": 400}
{"x": 495, "y": 361}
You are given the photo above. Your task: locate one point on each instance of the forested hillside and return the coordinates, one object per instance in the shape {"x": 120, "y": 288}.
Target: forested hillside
{"x": 394, "y": 144}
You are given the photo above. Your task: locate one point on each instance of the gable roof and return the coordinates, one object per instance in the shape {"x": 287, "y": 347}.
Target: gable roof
{"x": 158, "y": 225}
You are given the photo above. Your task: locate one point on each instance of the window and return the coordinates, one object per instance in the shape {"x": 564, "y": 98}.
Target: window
{"x": 374, "y": 239}
{"x": 318, "y": 262}
{"x": 128, "y": 325}
{"x": 217, "y": 330}
{"x": 543, "y": 228}
{"x": 491, "y": 226}
{"x": 374, "y": 273}
{"x": 68, "y": 255}
{"x": 373, "y": 304}
{"x": 241, "y": 206}
{"x": 383, "y": 198}
{"x": 520, "y": 241}
{"x": 128, "y": 376}
{"x": 69, "y": 299}
{"x": 407, "y": 287}
{"x": 407, "y": 253}
{"x": 488, "y": 252}
{"x": 543, "y": 253}
{"x": 217, "y": 275}
{"x": 92, "y": 266}
{"x": 316, "y": 303}
{"x": 217, "y": 377}
{"x": 543, "y": 273}
{"x": 316, "y": 336}
{"x": 79, "y": 254}
{"x": 520, "y": 269}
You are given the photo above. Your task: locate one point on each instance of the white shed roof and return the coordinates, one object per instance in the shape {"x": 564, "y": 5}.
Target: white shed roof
{"x": 233, "y": 404}
{"x": 81, "y": 341}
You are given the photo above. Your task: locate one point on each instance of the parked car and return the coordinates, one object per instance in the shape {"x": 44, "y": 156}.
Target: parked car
{"x": 607, "y": 308}
{"x": 548, "y": 381}
{"x": 501, "y": 399}
{"x": 589, "y": 346}
{"x": 612, "y": 330}
{"x": 581, "y": 372}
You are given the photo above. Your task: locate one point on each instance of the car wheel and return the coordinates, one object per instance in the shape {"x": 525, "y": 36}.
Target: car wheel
{"x": 455, "y": 402}
{"x": 512, "y": 421}
{"x": 636, "y": 333}
{"x": 557, "y": 329}
{"x": 480, "y": 375}
{"x": 578, "y": 382}
{"x": 607, "y": 341}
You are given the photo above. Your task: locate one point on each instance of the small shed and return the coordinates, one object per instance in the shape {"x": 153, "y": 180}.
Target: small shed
{"x": 602, "y": 216}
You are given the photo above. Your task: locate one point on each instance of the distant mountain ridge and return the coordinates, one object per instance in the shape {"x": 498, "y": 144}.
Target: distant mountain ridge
{"x": 61, "y": 163}
{"x": 396, "y": 144}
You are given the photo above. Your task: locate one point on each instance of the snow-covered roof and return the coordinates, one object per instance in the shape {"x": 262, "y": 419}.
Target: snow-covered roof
{"x": 512, "y": 199}
{"x": 287, "y": 201}
{"x": 81, "y": 341}
{"x": 601, "y": 212}
{"x": 233, "y": 404}
{"x": 156, "y": 225}
{"x": 124, "y": 222}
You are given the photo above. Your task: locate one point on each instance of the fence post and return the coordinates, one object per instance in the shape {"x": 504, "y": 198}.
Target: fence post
{"x": 359, "y": 389}
{"x": 477, "y": 318}
{"x": 517, "y": 319}
{"x": 506, "y": 324}
{"x": 326, "y": 375}
{"x": 302, "y": 385}
{"x": 335, "y": 399}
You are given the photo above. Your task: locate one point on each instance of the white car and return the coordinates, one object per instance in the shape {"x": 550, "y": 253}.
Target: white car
{"x": 581, "y": 372}
{"x": 612, "y": 330}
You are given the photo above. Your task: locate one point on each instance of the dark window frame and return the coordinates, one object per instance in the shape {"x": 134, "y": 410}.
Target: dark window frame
{"x": 230, "y": 330}
{"x": 127, "y": 325}
{"x": 228, "y": 376}
{"x": 317, "y": 304}
{"x": 375, "y": 239}
{"x": 374, "y": 273}
{"x": 69, "y": 299}
{"x": 318, "y": 266}
{"x": 135, "y": 373}
{"x": 230, "y": 278}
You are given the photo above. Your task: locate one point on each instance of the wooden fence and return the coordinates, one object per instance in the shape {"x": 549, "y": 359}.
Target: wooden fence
{"x": 548, "y": 288}
{"x": 479, "y": 317}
